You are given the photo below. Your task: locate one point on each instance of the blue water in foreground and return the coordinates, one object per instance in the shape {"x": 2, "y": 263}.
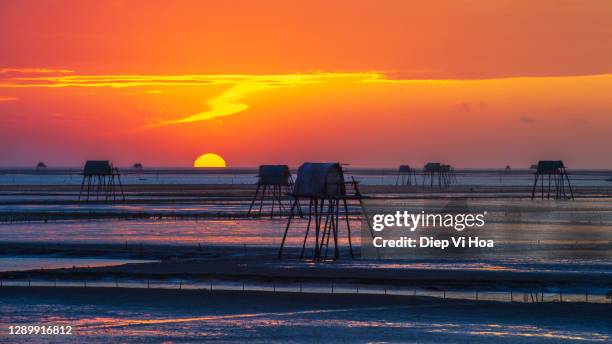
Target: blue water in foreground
{"x": 171, "y": 316}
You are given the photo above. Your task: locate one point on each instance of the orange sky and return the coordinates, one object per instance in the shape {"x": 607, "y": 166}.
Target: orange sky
{"x": 474, "y": 83}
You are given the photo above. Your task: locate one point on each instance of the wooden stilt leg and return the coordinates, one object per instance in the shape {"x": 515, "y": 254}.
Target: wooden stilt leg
{"x": 318, "y": 212}
{"x": 281, "y": 207}
{"x": 280, "y": 250}
{"x": 325, "y": 227}
{"x": 348, "y": 227}
{"x": 120, "y": 185}
{"x": 82, "y": 186}
{"x": 307, "y": 228}
{"x": 335, "y": 221}
{"x": 88, "y": 187}
{"x": 253, "y": 201}
{"x": 273, "y": 201}
{"x": 542, "y": 187}
{"x": 535, "y": 184}
{"x": 263, "y": 195}
{"x": 329, "y": 225}
{"x": 569, "y": 186}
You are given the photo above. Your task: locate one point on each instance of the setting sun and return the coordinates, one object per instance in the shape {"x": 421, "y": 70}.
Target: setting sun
{"x": 209, "y": 160}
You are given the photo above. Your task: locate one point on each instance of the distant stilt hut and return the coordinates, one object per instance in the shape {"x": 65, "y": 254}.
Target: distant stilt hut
{"x": 41, "y": 166}
{"x": 137, "y": 166}
{"x": 406, "y": 176}
{"x": 273, "y": 181}
{"x": 438, "y": 174}
{"x": 101, "y": 180}
{"x": 558, "y": 179}
{"x": 323, "y": 185}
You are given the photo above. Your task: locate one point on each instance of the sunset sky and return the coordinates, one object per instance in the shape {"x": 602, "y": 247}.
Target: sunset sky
{"x": 371, "y": 83}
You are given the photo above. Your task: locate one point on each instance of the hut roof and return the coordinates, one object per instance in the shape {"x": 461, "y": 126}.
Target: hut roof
{"x": 405, "y": 168}
{"x": 97, "y": 167}
{"x": 41, "y": 165}
{"x": 274, "y": 175}
{"x": 321, "y": 180}
{"x": 549, "y": 166}
{"x": 436, "y": 167}
{"x": 137, "y": 165}
{"x": 432, "y": 167}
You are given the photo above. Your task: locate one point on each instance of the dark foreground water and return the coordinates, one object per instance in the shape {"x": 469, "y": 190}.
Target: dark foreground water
{"x": 118, "y": 315}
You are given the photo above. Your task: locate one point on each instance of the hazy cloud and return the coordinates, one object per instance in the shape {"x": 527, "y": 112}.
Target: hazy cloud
{"x": 527, "y": 120}
{"x": 7, "y": 99}
{"x": 463, "y": 106}
{"x": 579, "y": 121}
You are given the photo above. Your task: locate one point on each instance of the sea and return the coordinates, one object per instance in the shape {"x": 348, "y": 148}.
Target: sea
{"x": 547, "y": 236}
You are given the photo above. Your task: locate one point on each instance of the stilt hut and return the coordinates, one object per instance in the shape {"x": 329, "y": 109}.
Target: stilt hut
{"x": 137, "y": 166}
{"x": 323, "y": 186}
{"x": 438, "y": 174}
{"x": 555, "y": 172}
{"x": 101, "y": 181}
{"x": 41, "y": 166}
{"x": 273, "y": 181}
{"x": 406, "y": 175}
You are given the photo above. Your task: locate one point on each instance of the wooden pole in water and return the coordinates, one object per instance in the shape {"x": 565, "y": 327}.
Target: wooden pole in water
{"x": 253, "y": 201}
{"x": 307, "y": 228}
{"x": 280, "y": 250}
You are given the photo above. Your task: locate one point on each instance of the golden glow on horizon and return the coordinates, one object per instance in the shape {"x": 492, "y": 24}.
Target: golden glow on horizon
{"x": 209, "y": 160}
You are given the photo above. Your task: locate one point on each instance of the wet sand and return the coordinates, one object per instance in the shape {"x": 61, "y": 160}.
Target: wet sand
{"x": 262, "y": 265}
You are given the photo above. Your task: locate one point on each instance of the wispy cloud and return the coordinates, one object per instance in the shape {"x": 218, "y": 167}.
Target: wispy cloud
{"x": 7, "y": 99}
{"x": 229, "y": 102}
{"x": 33, "y": 71}
{"x": 527, "y": 120}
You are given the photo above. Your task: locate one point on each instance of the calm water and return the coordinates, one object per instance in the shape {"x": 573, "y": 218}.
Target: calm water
{"x": 531, "y": 236}
{"x": 168, "y": 316}
{"x": 565, "y": 236}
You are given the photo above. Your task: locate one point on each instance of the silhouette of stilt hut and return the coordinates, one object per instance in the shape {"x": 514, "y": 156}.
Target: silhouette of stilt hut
{"x": 438, "y": 174}
{"x": 323, "y": 185}
{"x": 274, "y": 181}
{"x": 101, "y": 181}
{"x": 406, "y": 176}
{"x": 41, "y": 166}
{"x": 557, "y": 178}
